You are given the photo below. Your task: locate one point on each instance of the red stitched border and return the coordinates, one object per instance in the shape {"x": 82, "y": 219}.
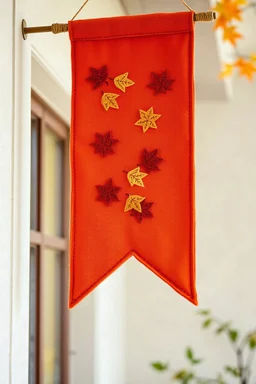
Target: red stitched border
{"x": 192, "y": 296}
{"x": 73, "y": 176}
{"x": 131, "y": 35}
{"x": 181, "y": 291}
{"x": 191, "y": 167}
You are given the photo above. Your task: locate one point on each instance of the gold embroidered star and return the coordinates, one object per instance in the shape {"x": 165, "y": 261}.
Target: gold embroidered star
{"x": 147, "y": 119}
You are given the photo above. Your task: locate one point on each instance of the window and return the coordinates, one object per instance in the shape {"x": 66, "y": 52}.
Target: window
{"x": 49, "y": 246}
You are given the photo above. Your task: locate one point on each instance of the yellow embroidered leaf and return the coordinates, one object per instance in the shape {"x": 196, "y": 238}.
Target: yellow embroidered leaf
{"x": 122, "y": 81}
{"x": 108, "y": 100}
{"x": 147, "y": 119}
{"x": 133, "y": 202}
{"x": 135, "y": 177}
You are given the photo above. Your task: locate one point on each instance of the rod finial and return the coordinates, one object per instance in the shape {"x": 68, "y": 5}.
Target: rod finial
{"x": 23, "y": 27}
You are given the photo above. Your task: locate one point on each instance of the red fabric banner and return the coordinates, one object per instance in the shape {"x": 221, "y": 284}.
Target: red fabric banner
{"x": 132, "y": 149}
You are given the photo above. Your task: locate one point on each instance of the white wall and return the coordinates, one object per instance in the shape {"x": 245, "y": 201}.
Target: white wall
{"x": 82, "y": 336}
{"x": 6, "y": 165}
{"x": 55, "y": 50}
{"x": 14, "y": 198}
{"x": 110, "y": 330}
{"x": 161, "y": 323}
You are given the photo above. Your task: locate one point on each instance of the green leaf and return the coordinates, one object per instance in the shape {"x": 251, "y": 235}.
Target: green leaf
{"x": 191, "y": 357}
{"x": 207, "y": 323}
{"x": 252, "y": 342}
{"x": 183, "y": 376}
{"x": 180, "y": 375}
{"x": 189, "y": 353}
{"x": 189, "y": 377}
{"x": 158, "y": 366}
{"x": 223, "y": 327}
{"x": 196, "y": 361}
{"x": 204, "y": 312}
{"x": 233, "y": 371}
{"x": 233, "y": 335}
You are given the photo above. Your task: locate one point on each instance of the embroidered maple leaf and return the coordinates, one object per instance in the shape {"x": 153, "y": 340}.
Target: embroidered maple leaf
{"x": 107, "y": 192}
{"x": 122, "y": 81}
{"x": 98, "y": 76}
{"x": 150, "y": 160}
{"x": 108, "y": 100}
{"x": 246, "y": 68}
{"x": 145, "y": 211}
{"x": 135, "y": 177}
{"x": 133, "y": 202}
{"x": 161, "y": 82}
{"x": 103, "y": 144}
{"x": 147, "y": 119}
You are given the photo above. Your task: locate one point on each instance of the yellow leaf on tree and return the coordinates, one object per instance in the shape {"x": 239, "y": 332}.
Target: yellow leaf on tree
{"x": 135, "y": 177}
{"x": 241, "y": 2}
{"x": 227, "y": 71}
{"x": 147, "y": 119}
{"x": 253, "y": 57}
{"x": 122, "y": 82}
{"x": 133, "y": 202}
{"x": 108, "y": 100}
{"x": 230, "y": 34}
{"x": 227, "y": 10}
{"x": 221, "y": 22}
{"x": 246, "y": 68}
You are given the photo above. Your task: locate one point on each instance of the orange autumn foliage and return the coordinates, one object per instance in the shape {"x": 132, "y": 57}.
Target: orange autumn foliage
{"x": 228, "y": 12}
{"x": 227, "y": 71}
{"x": 246, "y": 68}
{"x": 230, "y": 34}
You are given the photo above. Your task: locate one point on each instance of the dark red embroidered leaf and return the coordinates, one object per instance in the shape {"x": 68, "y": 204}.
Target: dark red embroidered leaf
{"x": 98, "y": 76}
{"x": 145, "y": 211}
{"x": 150, "y": 160}
{"x": 107, "y": 192}
{"x": 103, "y": 144}
{"x": 161, "y": 82}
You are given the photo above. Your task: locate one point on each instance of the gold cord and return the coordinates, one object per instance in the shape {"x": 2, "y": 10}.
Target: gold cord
{"x": 201, "y": 16}
{"x": 80, "y": 9}
{"x": 187, "y": 6}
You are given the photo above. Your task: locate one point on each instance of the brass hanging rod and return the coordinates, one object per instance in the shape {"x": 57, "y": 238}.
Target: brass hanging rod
{"x": 60, "y": 28}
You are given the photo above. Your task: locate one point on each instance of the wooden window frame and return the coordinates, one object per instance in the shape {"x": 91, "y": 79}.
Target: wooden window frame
{"x": 49, "y": 120}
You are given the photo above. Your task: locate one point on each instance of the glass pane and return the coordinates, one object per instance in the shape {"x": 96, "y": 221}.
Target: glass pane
{"x": 33, "y": 292}
{"x": 53, "y": 185}
{"x": 34, "y": 209}
{"x": 50, "y": 273}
